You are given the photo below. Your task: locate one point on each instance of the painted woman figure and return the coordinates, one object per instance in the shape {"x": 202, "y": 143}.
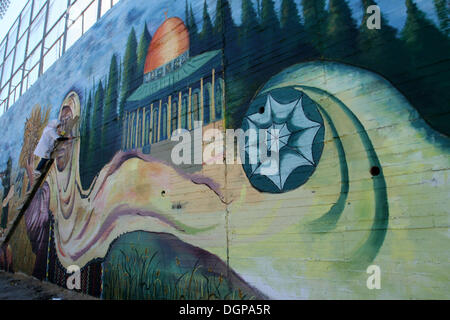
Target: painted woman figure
{"x": 6, "y": 183}
{"x": 37, "y": 214}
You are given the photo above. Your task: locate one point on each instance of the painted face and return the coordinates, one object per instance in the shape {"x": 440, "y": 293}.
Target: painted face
{"x": 64, "y": 153}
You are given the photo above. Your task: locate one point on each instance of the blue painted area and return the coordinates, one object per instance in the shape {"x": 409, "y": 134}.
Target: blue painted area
{"x": 299, "y": 139}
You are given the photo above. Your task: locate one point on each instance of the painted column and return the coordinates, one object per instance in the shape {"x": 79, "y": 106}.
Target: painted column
{"x": 201, "y": 101}
{"x": 124, "y": 130}
{"x": 159, "y": 121}
{"x": 213, "y": 101}
{"x": 189, "y": 111}
{"x": 179, "y": 110}
{"x": 150, "y": 136}
{"x": 131, "y": 130}
{"x": 143, "y": 127}
{"x": 127, "y": 128}
{"x": 137, "y": 129}
{"x": 169, "y": 118}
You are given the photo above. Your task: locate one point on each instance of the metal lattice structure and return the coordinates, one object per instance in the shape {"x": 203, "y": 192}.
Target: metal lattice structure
{"x": 40, "y": 35}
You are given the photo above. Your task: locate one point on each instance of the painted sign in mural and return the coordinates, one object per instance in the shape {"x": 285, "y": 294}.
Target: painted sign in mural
{"x": 359, "y": 118}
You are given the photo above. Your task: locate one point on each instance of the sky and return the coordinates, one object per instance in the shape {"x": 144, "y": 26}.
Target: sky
{"x": 15, "y": 7}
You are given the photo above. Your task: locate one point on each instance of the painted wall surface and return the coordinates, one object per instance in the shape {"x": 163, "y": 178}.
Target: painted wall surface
{"x": 363, "y": 172}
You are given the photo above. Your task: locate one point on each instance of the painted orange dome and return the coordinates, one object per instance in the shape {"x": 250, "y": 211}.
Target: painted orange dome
{"x": 170, "y": 40}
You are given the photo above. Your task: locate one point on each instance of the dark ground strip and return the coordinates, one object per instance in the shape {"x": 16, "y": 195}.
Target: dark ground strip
{"x": 17, "y": 286}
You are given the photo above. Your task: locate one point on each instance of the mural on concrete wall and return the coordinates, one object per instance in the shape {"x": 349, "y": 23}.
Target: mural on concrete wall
{"x": 363, "y": 148}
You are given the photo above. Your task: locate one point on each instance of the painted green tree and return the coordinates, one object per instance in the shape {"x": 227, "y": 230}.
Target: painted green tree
{"x": 315, "y": 20}
{"x": 424, "y": 40}
{"x": 85, "y": 132}
{"x": 6, "y": 184}
{"x": 206, "y": 35}
{"x": 186, "y": 13}
{"x": 226, "y": 29}
{"x": 85, "y": 125}
{"x": 341, "y": 32}
{"x": 443, "y": 13}
{"x": 130, "y": 77}
{"x": 270, "y": 27}
{"x": 142, "y": 49}
{"x": 240, "y": 81}
{"x": 427, "y": 87}
{"x": 110, "y": 128}
{"x": 295, "y": 41}
{"x": 95, "y": 161}
{"x": 194, "y": 43}
{"x": 380, "y": 49}
{"x": 249, "y": 36}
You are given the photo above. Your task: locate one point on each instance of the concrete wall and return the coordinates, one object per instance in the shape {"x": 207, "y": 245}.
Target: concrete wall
{"x": 362, "y": 177}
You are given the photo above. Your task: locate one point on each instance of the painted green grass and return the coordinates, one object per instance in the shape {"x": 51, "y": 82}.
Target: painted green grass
{"x": 138, "y": 274}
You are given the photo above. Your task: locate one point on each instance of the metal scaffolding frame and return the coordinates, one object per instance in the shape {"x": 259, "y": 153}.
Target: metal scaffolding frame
{"x": 41, "y": 34}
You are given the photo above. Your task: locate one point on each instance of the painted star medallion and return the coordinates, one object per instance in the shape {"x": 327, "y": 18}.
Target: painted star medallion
{"x": 294, "y": 130}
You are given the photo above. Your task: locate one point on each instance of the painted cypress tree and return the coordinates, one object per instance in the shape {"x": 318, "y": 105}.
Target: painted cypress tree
{"x": 270, "y": 27}
{"x": 110, "y": 128}
{"x": 194, "y": 46}
{"x": 85, "y": 125}
{"x": 258, "y": 8}
{"x": 186, "y": 14}
{"x": 250, "y": 36}
{"x": 6, "y": 183}
{"x": 95, "y": 160}
{"x": 206, "y": 35}
{"x": 295, "y": 40}
{"x": 130, "y": 78}
{"x": 249, "y": 68}
{"x": 429, "y": 49}
{"x": 315, "y": 19}
{"x": 380, "y": 49}
{"x": 249, "y": 18}
{"x": 225, "y": 29}
{"x": 142, "y": 49}
{"x": 341, "y": 32}
{"x": 443, "y": 13}
{"x": 226, "y": 33}
{"x": 85, "y": 132}
{"x": 290, "y": 20}
{"x": 423, "y": 39}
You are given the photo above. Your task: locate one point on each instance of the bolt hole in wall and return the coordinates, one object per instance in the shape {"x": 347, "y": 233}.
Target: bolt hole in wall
{"x": 375, "y": 171}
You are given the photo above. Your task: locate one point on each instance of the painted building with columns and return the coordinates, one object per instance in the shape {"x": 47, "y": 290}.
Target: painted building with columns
{"x": 177, "y": 90}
